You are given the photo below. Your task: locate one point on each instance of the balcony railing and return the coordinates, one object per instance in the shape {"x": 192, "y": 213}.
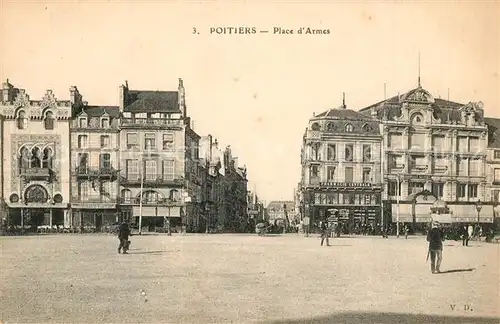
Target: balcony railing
{"x": 92, "y": 173}
{"x": 36, "y": 173}
{"x": 149, "y": 202}
{"x": 94, "y": 200}
{"x": 151, "y": 122}
{"x": 159, "y": 181}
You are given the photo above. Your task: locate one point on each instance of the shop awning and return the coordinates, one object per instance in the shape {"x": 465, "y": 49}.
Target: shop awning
{"x": 422, "y": 213}
{"x": 442, "y": 218}
{"x": 160, "y": 211}
{"x": 468, "y": 213}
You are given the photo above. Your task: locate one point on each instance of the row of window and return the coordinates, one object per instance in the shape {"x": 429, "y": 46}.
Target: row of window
{"x": 150, "y": 169}
{"x": 349, "y": 198}
{"x": 105, "y": 122}
{"x": 464, "y": 166}
{"x": 104, "y": 160}
{"x": 463, "y": 189}
{"x": 150, "y": 141}
{"x": 419, "y": 141}
{"x": 314, "y": 174}
{"x": 332, "y": 127}
{"x": 48, "y": 120}
{"x": 83, "y": 141}
{"x": 331, "y": 152}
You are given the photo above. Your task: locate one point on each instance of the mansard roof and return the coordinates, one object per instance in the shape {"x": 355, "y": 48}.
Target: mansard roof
{"x": 445, "y": 110}
{"x": 98, "y": 111}
{"x": 138, "y": 101}
{"x": 343, "y": 113}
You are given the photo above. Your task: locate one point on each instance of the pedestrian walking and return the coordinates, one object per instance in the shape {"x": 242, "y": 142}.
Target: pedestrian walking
{"x": 465, "y": 236}
{"x": 324, "y": 233}
{"x": 123, "y": 235}
{"x": 435, "y": 238}
{"x": 406, "y": 231}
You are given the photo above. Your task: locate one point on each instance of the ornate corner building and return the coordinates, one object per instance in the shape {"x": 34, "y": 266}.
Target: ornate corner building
{"x": 437, "y": 147}
{"x": 36, "y": 150}
{"x": 341, "y": 160}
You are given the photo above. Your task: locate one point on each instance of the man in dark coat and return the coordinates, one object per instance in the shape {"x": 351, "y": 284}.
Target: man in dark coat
{"x": 435, "y": 238}
{"x": 325, "y": 233}
{"x": 123, "y": 234}
{"x": 465, "y": 236}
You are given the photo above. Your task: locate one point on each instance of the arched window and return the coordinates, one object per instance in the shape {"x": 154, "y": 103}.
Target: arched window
{"x": 174, "y": 195}
{"x": 330, "y": 127}
{"x": 349, "y": 128}
{"x": 315, "y": 127}
{"x": 126, "y": 194}
{"x": 150, "y": 197}
{"x": 367, "y": 128}
{"x": 47, "y": 158}
{"x": 36, "y": 157}
{"x": 49, "y": 120}
{"x": 417, "y": 119}
{"x": 22, "y": 121}
{"x": 36, "y": 193}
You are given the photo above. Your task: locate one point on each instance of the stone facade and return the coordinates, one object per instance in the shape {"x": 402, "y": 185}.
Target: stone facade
{"x": 87, "y": 167}
{"x": 36, "y": 150}
{"x": 435, "y": 148}
{"x": 341, "y": 161}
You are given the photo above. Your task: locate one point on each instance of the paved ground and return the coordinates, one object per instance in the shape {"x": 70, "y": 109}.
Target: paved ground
{"x": 244, "y": 278}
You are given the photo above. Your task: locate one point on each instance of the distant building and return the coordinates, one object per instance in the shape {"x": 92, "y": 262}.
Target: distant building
{"x": 279, "y": 211}
{"x": 493, "y": 167}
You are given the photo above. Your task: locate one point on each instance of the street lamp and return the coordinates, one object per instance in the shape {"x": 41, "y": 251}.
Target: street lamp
{"x": 479, "y": 206}
{"x": 398, "y": 198}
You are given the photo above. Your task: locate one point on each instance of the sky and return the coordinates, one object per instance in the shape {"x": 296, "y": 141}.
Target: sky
{"x": 255, "y": 92}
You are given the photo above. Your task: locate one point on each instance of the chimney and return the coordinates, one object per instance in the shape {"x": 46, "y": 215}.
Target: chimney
{"x": 182, "y": 98}
{"x": 122, "y": 90}
{"x": 216, "y": 143}
{"x": 7, "y": 92}
{"x": 74, "y": 95}
{"x": 373, "y": 112}
{"x": 343, "y": 101}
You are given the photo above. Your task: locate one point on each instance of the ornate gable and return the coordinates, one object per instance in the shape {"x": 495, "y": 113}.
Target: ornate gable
{"x": 418, "y": 95}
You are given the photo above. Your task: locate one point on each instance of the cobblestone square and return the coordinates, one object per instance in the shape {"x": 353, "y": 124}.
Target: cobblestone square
{"x": 244, "y": 278}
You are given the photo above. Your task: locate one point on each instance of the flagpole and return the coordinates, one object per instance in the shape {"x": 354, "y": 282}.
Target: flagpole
{"x": 140, "y": 197}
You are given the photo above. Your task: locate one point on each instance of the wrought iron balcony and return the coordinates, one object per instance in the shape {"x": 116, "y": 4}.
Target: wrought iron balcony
{"x": 94, "y": 200}
{"x": 151, "y": 122}
{"x": 149, "y": 202}
{"x": 151, "y": 182}
{"x": 89, "y": 173}
{"x": 37, "y": 173}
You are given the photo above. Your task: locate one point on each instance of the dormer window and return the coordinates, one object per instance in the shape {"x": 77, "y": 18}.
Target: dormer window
{"x": 83, "y": 122}
{"x": 367, "y": 128}
{"x": 417, "y": 119}
{"x": 315, "y": 127}
{"x": 330, "y": 127}
{"x": 49, "y": 120}
{"x": 22, "y": 121}
{"x": 349, "y": 128}
{"x": 105, "y": 122}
